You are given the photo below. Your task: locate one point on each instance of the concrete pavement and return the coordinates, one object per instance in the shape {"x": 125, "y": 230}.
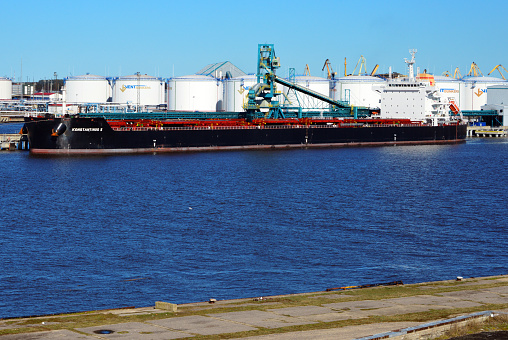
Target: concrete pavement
{"x": 307, "y": 321}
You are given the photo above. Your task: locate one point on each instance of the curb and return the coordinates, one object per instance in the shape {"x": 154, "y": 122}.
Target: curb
{"x": 429, "y": 328}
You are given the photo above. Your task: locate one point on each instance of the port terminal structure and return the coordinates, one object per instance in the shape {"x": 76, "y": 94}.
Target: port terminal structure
{"x": 264, "y": 101}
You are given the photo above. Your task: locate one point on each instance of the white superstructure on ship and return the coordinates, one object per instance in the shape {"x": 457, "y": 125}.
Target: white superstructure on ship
{"x": 415, "y": 98}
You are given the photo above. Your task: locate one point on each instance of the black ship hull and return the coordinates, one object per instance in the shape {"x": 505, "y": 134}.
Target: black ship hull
{"x": 67, "y": 136}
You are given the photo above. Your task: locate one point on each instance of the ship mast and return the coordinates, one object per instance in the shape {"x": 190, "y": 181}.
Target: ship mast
{"x": 410, "y": 64}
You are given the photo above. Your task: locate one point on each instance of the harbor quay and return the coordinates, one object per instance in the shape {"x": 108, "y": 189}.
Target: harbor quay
{"x": 372, "y": 311}
{"x": 487, "y": 131}
{"x": 12, "y": 141}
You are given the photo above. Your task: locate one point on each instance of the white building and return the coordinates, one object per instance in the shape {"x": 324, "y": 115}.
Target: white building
{"x": 497, "y": 99}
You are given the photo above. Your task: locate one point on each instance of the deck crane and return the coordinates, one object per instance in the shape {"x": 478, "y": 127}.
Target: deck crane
{"x": 497, "y": 68}
{"x": 446, "y": 74}
{"x": 474, "y": 70}
{"x": 329, "y": 69}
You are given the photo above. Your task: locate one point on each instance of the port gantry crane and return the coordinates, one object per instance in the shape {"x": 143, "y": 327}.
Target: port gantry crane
{"x": 456, "y": 75}
{"x": 329, "y": 69}
{"x": 497, "y": 68}
{"x": 374, "y": 70}
{"x": 363, "y": 64}
{"x": 474, "y": 70}
{"x": 263, "y": 101}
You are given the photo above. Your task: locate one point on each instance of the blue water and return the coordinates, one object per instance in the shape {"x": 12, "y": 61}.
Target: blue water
{"x": 81, "y": 234}
{"x": 10, "y": 127}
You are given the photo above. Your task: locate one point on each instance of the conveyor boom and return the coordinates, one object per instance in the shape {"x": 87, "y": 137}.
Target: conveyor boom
{"x": 311, "y": 93}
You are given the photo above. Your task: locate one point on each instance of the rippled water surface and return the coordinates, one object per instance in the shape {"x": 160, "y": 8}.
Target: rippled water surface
{"x": 93, "y": 233}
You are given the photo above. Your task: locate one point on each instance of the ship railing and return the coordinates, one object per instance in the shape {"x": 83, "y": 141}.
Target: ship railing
{"x": 216, "y": 127}
{"x": 256, "y": 127}
{"x": 391, "y": 125}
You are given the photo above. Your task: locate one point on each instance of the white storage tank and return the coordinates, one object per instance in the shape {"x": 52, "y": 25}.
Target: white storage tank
{"x": 195, "y": 93}
{"x": 317, "y": 84}
{"x": 358, "y": 90}
{"x": 448, "y": 89}
{"x": 237, "y": 91}
{"x": 147, "y": 89}
{"x": 473, "y": 93}
{"x": 5, "y": 88}
{"x": 88, "y": 88}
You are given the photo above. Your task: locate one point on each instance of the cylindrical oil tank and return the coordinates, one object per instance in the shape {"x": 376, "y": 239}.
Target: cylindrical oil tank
{"x": 316, "y": 84}
{"x": 448, "y": 89}
{"x": 137, "y": 89}
{"x": 237, "y": 91}
{"x": 5, "y": 88}
{"x": 473, "y": 93}
{"x": 195, "y": 93}
{"x": 358, "y": 90}
{"x": 87, "y": 88}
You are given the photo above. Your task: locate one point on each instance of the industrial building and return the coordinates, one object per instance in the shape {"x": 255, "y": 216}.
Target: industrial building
{"x": 497, "y": 100}
{"x": 221, "y": 70}
{"x": 223, "y": 87}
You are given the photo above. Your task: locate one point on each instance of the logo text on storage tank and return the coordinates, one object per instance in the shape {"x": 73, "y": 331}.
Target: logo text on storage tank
{"x": 243, "y": 88}
{"x": 448, "y": 91}
{"x": 480, "y": 92}
{"x": 133, "y": 87}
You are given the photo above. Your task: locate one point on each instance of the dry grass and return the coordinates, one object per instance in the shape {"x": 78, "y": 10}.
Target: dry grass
{"x": 497, "y": 323}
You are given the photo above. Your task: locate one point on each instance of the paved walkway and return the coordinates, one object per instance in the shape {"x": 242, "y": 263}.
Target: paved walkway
{"x": 214, "y": 323}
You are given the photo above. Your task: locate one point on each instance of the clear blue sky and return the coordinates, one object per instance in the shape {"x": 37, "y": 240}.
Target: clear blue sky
{"x": 159, "y": 37}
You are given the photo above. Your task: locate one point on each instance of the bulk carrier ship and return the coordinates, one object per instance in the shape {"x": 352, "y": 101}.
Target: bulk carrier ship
{"x": 265, "y": 124}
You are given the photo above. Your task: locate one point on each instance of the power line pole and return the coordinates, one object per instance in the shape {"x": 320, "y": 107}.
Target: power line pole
{"x": 137, "y": 87}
